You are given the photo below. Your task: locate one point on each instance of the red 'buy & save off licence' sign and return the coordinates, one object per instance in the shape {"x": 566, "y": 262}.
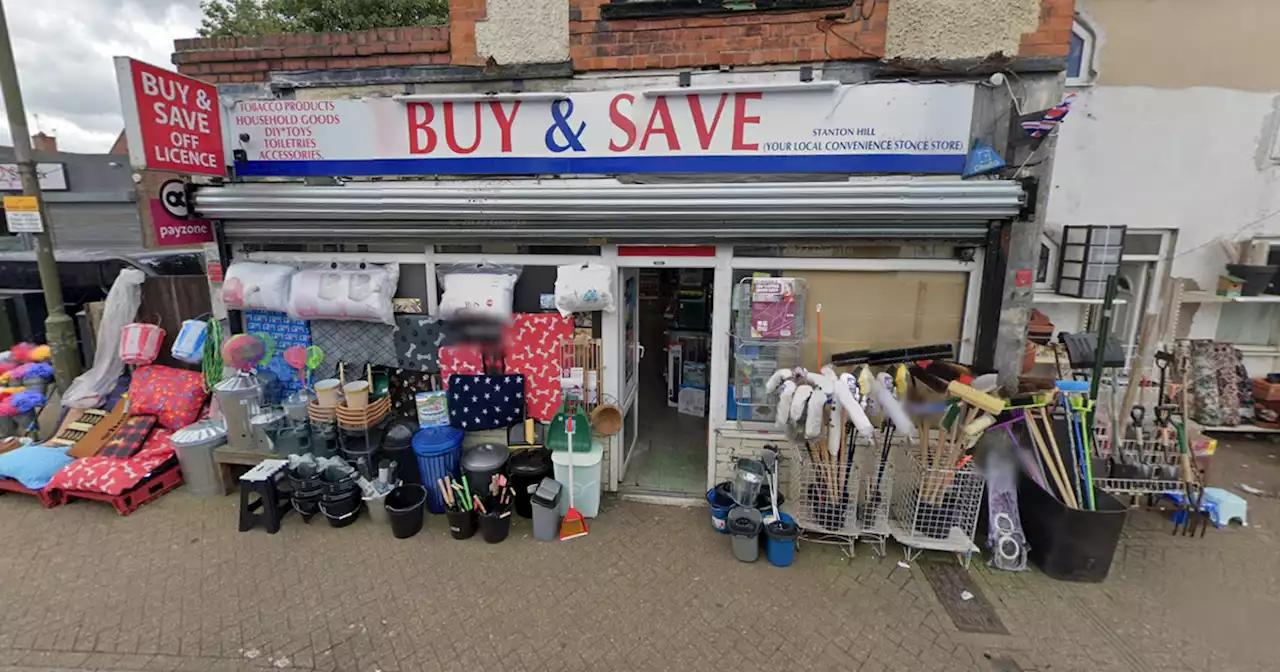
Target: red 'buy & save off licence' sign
{"x": 173, "y": 122}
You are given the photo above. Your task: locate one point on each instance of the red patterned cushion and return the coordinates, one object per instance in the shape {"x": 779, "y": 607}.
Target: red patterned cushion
{"x": 113, "y": 476}
{"x": 174, "y": 396}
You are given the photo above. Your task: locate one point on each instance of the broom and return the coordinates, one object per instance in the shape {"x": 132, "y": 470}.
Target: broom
{"x": 573, "y": 525}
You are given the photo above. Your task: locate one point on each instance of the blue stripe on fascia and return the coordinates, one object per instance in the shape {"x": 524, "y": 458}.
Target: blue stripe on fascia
{"x": 947, "y": 164}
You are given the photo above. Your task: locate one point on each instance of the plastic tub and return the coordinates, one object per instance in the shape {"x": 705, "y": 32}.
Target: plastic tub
{"x": 720, "y": 503}
{"x": 527, "y": 468}
{"x": 405, "y": 507}
{"x": 437, "y": 449}
{"x": 341, "y": 513}
{"x": 462, "y": 524}
{"x": 586, "y": 479}
{"x": 377, "y": 507}
{"x": 1070, "y": 544}
{"x": 494, "y": 527}
{"x": 744, "y": 526}
{"x": 780, "y": 543}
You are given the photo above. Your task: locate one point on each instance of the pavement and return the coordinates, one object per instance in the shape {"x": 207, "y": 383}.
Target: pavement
{"x": 175, "y": 587}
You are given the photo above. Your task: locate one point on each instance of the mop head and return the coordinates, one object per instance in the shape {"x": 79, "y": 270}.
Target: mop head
{"x": 798, "y": 402}
{"x": 784, "y": 404}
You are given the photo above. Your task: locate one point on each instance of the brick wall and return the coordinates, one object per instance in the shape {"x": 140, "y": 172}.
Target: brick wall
{"x": 249, "y": 59}
{"x": 595, "y": 43}
{"x": 744, "y": 38}
{"x": 1053, "y": 38}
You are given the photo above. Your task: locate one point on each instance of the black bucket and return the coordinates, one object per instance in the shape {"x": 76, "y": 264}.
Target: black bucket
{"x": 338, "y": 485}
{"x": 763, "y": 501}
{"x": 462, "y": 524}
{"x": 341, "y": 513}
{"x": 934, "y": 520}
{"x": 405, "y": 506}
{"x": 1070, "y": 544}
{"x": 494, "y": 527}
{"x": 307, "y": 481}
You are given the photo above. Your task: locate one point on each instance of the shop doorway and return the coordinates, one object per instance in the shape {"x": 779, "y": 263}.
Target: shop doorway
{"x": 666, "y": 338}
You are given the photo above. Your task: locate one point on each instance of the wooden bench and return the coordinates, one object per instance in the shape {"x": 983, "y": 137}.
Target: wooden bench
{"x": 227, "y": 458}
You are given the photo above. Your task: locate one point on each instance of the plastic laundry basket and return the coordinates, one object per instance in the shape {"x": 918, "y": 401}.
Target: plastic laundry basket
{"x": 437, "y": 449}
{"x": 586, "y": 478}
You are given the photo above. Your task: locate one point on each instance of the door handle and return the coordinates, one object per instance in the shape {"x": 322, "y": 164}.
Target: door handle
{"x": 639, "y": 351}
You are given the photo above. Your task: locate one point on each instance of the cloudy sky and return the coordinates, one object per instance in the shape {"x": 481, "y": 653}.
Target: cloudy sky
{"x": 64, "y": 50}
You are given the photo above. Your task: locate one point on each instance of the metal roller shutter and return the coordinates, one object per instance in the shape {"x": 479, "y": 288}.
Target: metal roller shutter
{"x": 563, "y": 209}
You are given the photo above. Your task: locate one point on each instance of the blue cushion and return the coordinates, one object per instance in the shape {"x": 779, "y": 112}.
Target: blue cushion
{"x": 33, "y": 466}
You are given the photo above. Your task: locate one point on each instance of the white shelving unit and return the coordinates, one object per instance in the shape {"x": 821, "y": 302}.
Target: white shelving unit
{"x": 1201, "y": 296}
{"x": 1047, "y": 297}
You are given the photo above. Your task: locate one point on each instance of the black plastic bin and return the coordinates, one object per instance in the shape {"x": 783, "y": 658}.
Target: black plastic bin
{"x": 406, "y": 506}
{"x": 527, "y": 467}
{"x": 1069, "y": 544}
{"x": 397, "y": 445}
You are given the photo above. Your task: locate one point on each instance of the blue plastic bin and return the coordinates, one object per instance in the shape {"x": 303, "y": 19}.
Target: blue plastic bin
{"x": 438, "y": 449}
{"x": 781, "y": 550}
{"x": 720, "y": 505}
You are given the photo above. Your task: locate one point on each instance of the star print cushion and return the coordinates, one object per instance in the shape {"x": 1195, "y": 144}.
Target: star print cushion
{"x": 532, "y": 345}
{"x": 174, "y": 396}
{"x": 485, "y": 402}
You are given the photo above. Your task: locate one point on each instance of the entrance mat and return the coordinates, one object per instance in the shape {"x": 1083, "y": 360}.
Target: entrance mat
{"x": 949, "y": 582}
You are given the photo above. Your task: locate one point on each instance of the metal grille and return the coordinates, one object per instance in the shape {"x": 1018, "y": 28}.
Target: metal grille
{"x": 1140, "y": 467}
{"x": 935, "y": 509}
{"x": 824, "y": 491}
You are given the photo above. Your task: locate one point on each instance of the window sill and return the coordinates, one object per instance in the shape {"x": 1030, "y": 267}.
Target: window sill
{"x": 658, "y": 9}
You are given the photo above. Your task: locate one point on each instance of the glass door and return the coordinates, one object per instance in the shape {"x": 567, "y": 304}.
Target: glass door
{"x": 632, "y": 351}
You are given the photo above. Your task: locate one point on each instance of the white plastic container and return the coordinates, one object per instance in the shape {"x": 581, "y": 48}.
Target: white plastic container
{"x": 586, "y": 479}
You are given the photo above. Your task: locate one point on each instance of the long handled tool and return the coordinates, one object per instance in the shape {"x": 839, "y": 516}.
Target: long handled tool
{"x": 573, "y": 525}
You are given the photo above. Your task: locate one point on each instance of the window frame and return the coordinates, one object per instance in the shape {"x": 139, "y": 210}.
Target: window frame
{"x": 1081, "y": 28}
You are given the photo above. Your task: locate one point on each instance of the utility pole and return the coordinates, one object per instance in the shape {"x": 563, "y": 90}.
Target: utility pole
{"x": 59, "y": 330}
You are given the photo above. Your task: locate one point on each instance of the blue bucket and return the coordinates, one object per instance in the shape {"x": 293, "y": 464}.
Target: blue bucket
{"x": 780, "y": 545}
{"x": 720, "y": 505}
{"x": 438, "y": 449}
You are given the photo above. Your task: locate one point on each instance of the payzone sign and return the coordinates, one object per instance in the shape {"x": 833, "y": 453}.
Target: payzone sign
{"x": 173, "y": 123}
{"x": 870, "y": 128}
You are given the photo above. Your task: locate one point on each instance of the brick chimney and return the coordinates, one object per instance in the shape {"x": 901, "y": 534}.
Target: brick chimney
{"x": 41, "y": 142}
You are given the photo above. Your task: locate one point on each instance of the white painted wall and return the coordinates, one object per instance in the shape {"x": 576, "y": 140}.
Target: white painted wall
{"x": 1194, "y": 160}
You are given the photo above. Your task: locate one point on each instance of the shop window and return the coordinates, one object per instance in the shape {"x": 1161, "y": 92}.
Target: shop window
{"x": 1142, "y": 243}
{"x": 860, "y": 310}
{"x": 1080, "y": 58}
{"x": 1249, "y": 324}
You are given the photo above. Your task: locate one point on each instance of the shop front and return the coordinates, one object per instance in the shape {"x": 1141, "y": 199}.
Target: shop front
{"x": 692, "y": 199}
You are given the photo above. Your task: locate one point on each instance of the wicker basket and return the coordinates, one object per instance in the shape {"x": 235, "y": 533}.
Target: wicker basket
{"x": 363, "y": 418}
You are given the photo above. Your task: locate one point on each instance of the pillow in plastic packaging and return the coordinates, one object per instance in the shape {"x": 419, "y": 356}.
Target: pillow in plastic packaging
{"x": 362, "y": 293}
{"x": 583, "y": 288}
{"x": 254, "y": 286}
{"x": 481, "y": 293}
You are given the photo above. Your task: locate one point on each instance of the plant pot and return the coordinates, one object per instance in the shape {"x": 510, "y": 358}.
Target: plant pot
{"x": 1256, "y": 278}
{"x": 462, "y": 524}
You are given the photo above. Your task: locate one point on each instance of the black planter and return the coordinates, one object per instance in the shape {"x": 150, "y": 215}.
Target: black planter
{"x": 1256, "y": 278}
{"x": 462, "y": 524}
{"x": 1070, "y": 544}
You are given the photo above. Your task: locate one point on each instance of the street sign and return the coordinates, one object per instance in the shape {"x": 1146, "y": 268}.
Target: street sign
{"x": 173, "y": 122}
{"x": 22, "y": 213}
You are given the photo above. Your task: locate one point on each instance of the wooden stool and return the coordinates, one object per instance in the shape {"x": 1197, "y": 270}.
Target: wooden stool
{"x": 270, "y": 506}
